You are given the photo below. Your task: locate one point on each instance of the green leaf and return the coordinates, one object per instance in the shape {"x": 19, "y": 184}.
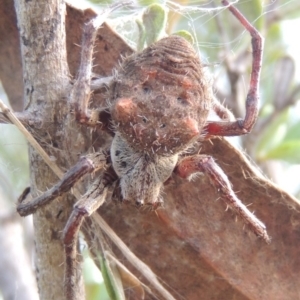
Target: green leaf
{"x": 273, "y": 135}
{"x": 186, "y": 35}
{"x": 112, "y": 279}
{"x": 155, "y": 21}
{"x": 146, "y": 2}
{"x": 142, "y": 35}
{"x": 92, "y": 274}
{"x": 94, "y": 284}
{"x": 288, "y": 151}
{"x": 96, "y": 291}
{"x": 293, "y": 132}
{"x": 252, "y": 10}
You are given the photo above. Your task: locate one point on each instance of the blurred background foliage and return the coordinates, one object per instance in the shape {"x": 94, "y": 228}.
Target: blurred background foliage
{"x": 225, "y": 49}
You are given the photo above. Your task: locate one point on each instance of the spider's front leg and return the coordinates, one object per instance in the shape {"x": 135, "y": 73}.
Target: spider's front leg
{"x": 205, "y": 164}
{"x": 87, "y": 164}
{"x": 88, "y": 204}
{"x": 84, "y": 207}
{"x": 243, "y": 126}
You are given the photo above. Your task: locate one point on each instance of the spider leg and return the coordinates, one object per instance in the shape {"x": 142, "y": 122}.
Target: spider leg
{"x": 83, "y": 86}
{"x": 86, "y": 164}
{"x": 243, "y": 126}
{"x": 81, "y": 91}
{"x": 222, "y": 111}
{"x": 88, "y": 204}
{"x": 203, "y": 163}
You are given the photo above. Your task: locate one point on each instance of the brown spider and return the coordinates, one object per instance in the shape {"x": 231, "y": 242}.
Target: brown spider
{"x": 159, "y": 104}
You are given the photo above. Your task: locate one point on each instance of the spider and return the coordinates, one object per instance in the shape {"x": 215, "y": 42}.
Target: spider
{"x": 159, "y": 105}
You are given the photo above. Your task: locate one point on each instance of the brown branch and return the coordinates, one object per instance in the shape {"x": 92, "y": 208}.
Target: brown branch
{"x": 46, "y": 84}
{"x": 23, "y": 117}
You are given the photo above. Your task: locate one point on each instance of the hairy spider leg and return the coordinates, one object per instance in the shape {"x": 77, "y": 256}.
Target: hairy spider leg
{"x": 85, "y": 165}
{"x": 92, "y": 200}
{"x": 243, "y": 126}
{"x": 81, "y": 92}
{"x": 85, "y": 207}
{"x": 222, "y": 112}
{"x": 205, "y": 164}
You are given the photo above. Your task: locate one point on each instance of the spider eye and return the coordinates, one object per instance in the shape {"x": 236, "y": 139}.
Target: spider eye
{"x": 182, "y": 101}
{"x": 144, "y": 120}
{"x": 162, "y": 126}
{"x": 146, "y": 89}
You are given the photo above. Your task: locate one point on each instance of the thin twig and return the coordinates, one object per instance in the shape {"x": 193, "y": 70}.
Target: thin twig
{"x": 23, "y": 117}
{"x": 132, "y": 258}
{"x": 197, "y": 8}
{"x": 8, "y": 113}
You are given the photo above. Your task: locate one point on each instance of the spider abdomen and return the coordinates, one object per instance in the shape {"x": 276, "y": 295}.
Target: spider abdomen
{"x": 160, "y": 99}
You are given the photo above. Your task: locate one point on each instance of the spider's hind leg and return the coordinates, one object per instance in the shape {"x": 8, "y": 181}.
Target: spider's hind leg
{"x": 205, "y": 164}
